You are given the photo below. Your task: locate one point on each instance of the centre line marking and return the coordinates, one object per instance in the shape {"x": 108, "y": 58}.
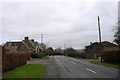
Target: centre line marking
{"x": 90, "y": 70}
{"x": 73, "y": 62}
{"x": 66, "y": 59}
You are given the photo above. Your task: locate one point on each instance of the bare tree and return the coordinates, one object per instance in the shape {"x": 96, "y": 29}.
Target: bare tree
{"x": 117, "y": 34}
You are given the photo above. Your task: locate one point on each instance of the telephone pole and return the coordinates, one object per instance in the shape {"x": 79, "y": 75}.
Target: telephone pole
{"x": 100, "y": 37}
{"x": 99, "y": 29}
{"x": 41, "y": 38}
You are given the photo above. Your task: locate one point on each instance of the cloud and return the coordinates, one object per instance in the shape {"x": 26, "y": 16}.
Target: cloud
{"x": 70, "y": 22}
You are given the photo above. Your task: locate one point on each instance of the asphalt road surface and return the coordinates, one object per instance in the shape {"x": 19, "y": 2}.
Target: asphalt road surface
{"x": 73, "y": 68}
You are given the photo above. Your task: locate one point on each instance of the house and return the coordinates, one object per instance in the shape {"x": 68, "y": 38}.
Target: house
{"x": 94, "y": 49}
{"x": 109, "y": 46}
{"x": 11, "y": 46}
{"x": 42, "y": 46}
{"x": 26, "y": 45}
{"x": 36, "y": 46}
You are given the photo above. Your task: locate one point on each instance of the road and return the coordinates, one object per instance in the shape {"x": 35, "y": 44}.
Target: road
{"x": 73, "y": 68}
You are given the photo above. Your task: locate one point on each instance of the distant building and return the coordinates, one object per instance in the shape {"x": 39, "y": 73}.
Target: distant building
{"x": 94, "y": 49}
{"x": 42, "y": 46}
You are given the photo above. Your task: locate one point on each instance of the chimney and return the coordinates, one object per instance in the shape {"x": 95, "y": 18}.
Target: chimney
{"x": 90, "y": 43}
{"x": 26, "y": 38}
{"x": 32, "y": 40}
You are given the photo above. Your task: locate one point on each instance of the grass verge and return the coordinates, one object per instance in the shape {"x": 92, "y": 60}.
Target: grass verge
{"x": 45, "y": 57}
{"x": 105, "y": 64}
{"x": 27, "y": 71}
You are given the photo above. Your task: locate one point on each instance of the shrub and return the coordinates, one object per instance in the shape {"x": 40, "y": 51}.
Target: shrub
{"x": 73, "y": 53}
{"x": 13, "y": 60}
{"x": 82, "y": 55}
{"x": 111, "y": 56}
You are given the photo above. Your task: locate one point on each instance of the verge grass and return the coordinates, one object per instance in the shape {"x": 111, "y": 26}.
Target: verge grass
{"x": 105, "y": 64}
{"x": 27, "y": 71}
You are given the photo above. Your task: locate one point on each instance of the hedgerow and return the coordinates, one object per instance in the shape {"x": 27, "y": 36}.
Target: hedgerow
{"x": 111, "y": 56}
{"x": 12, "y": 60}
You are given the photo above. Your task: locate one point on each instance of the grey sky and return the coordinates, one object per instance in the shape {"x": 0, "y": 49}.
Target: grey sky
{"x": 70, "y": 22}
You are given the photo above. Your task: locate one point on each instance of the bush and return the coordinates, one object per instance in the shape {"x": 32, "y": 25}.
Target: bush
{"x": 13, "y": 60}
{"x": 38, "y": 55}
{"x": 82, "y": 55}
{"x": 73, "y": 53}
{"x": 111, "y": 56}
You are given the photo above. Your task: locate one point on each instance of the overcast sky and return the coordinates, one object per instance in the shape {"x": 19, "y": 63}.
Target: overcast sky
{"x": 70, "y": 22}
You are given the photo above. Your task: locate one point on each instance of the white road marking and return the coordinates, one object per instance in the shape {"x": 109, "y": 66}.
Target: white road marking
{"x": 70, "y": 61}
{"x": 90, "y": 70}
{"x": 61, "y": 65}
{"x": 72, "y": 58}
{"x": 66, "y": 59}
{"x": 73, "y": 62}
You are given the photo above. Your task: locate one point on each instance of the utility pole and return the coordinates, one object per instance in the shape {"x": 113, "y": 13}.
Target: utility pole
{"x": 41, "y": 38}
{"x": 99, "y": 29}
{"x": 100, "y": 37}
{"x": 64, "y": 46}
{"x": 64, "y": 49}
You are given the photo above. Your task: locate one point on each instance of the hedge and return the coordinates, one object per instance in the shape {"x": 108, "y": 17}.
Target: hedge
{"x": 111, "y": 56}
{"x": 38, "y": 55}
{"x": 13, "y": 60}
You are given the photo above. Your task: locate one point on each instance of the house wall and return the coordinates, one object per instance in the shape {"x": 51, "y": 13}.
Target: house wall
{"x": 23, "y": 48}
{"x": 110, "y": 48}
{"x": 36, "y": 49}
{"x": 14, "y": 48}
{"x": 8, "y": 47}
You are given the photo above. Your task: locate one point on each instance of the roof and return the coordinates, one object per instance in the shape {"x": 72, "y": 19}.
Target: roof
{"x": 26, "y": 45}
{"x": 104, "y": 44}
{"x": 13, "y": 43}
{"x": 108, "y": 44}
{"x": 35, "y": 44}
{"x": 29, "y": 44}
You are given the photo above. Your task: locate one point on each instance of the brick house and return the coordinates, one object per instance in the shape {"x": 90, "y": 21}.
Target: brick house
{"x": 94, "y": 49}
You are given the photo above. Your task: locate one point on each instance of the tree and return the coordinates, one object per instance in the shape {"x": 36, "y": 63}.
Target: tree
{"x": 58, "y": 51}
{"x": 117, "y": 34}
{"x": 70, "y": 52}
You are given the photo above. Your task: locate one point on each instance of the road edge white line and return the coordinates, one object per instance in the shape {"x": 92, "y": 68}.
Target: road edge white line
{"x": 61, "y": 65}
